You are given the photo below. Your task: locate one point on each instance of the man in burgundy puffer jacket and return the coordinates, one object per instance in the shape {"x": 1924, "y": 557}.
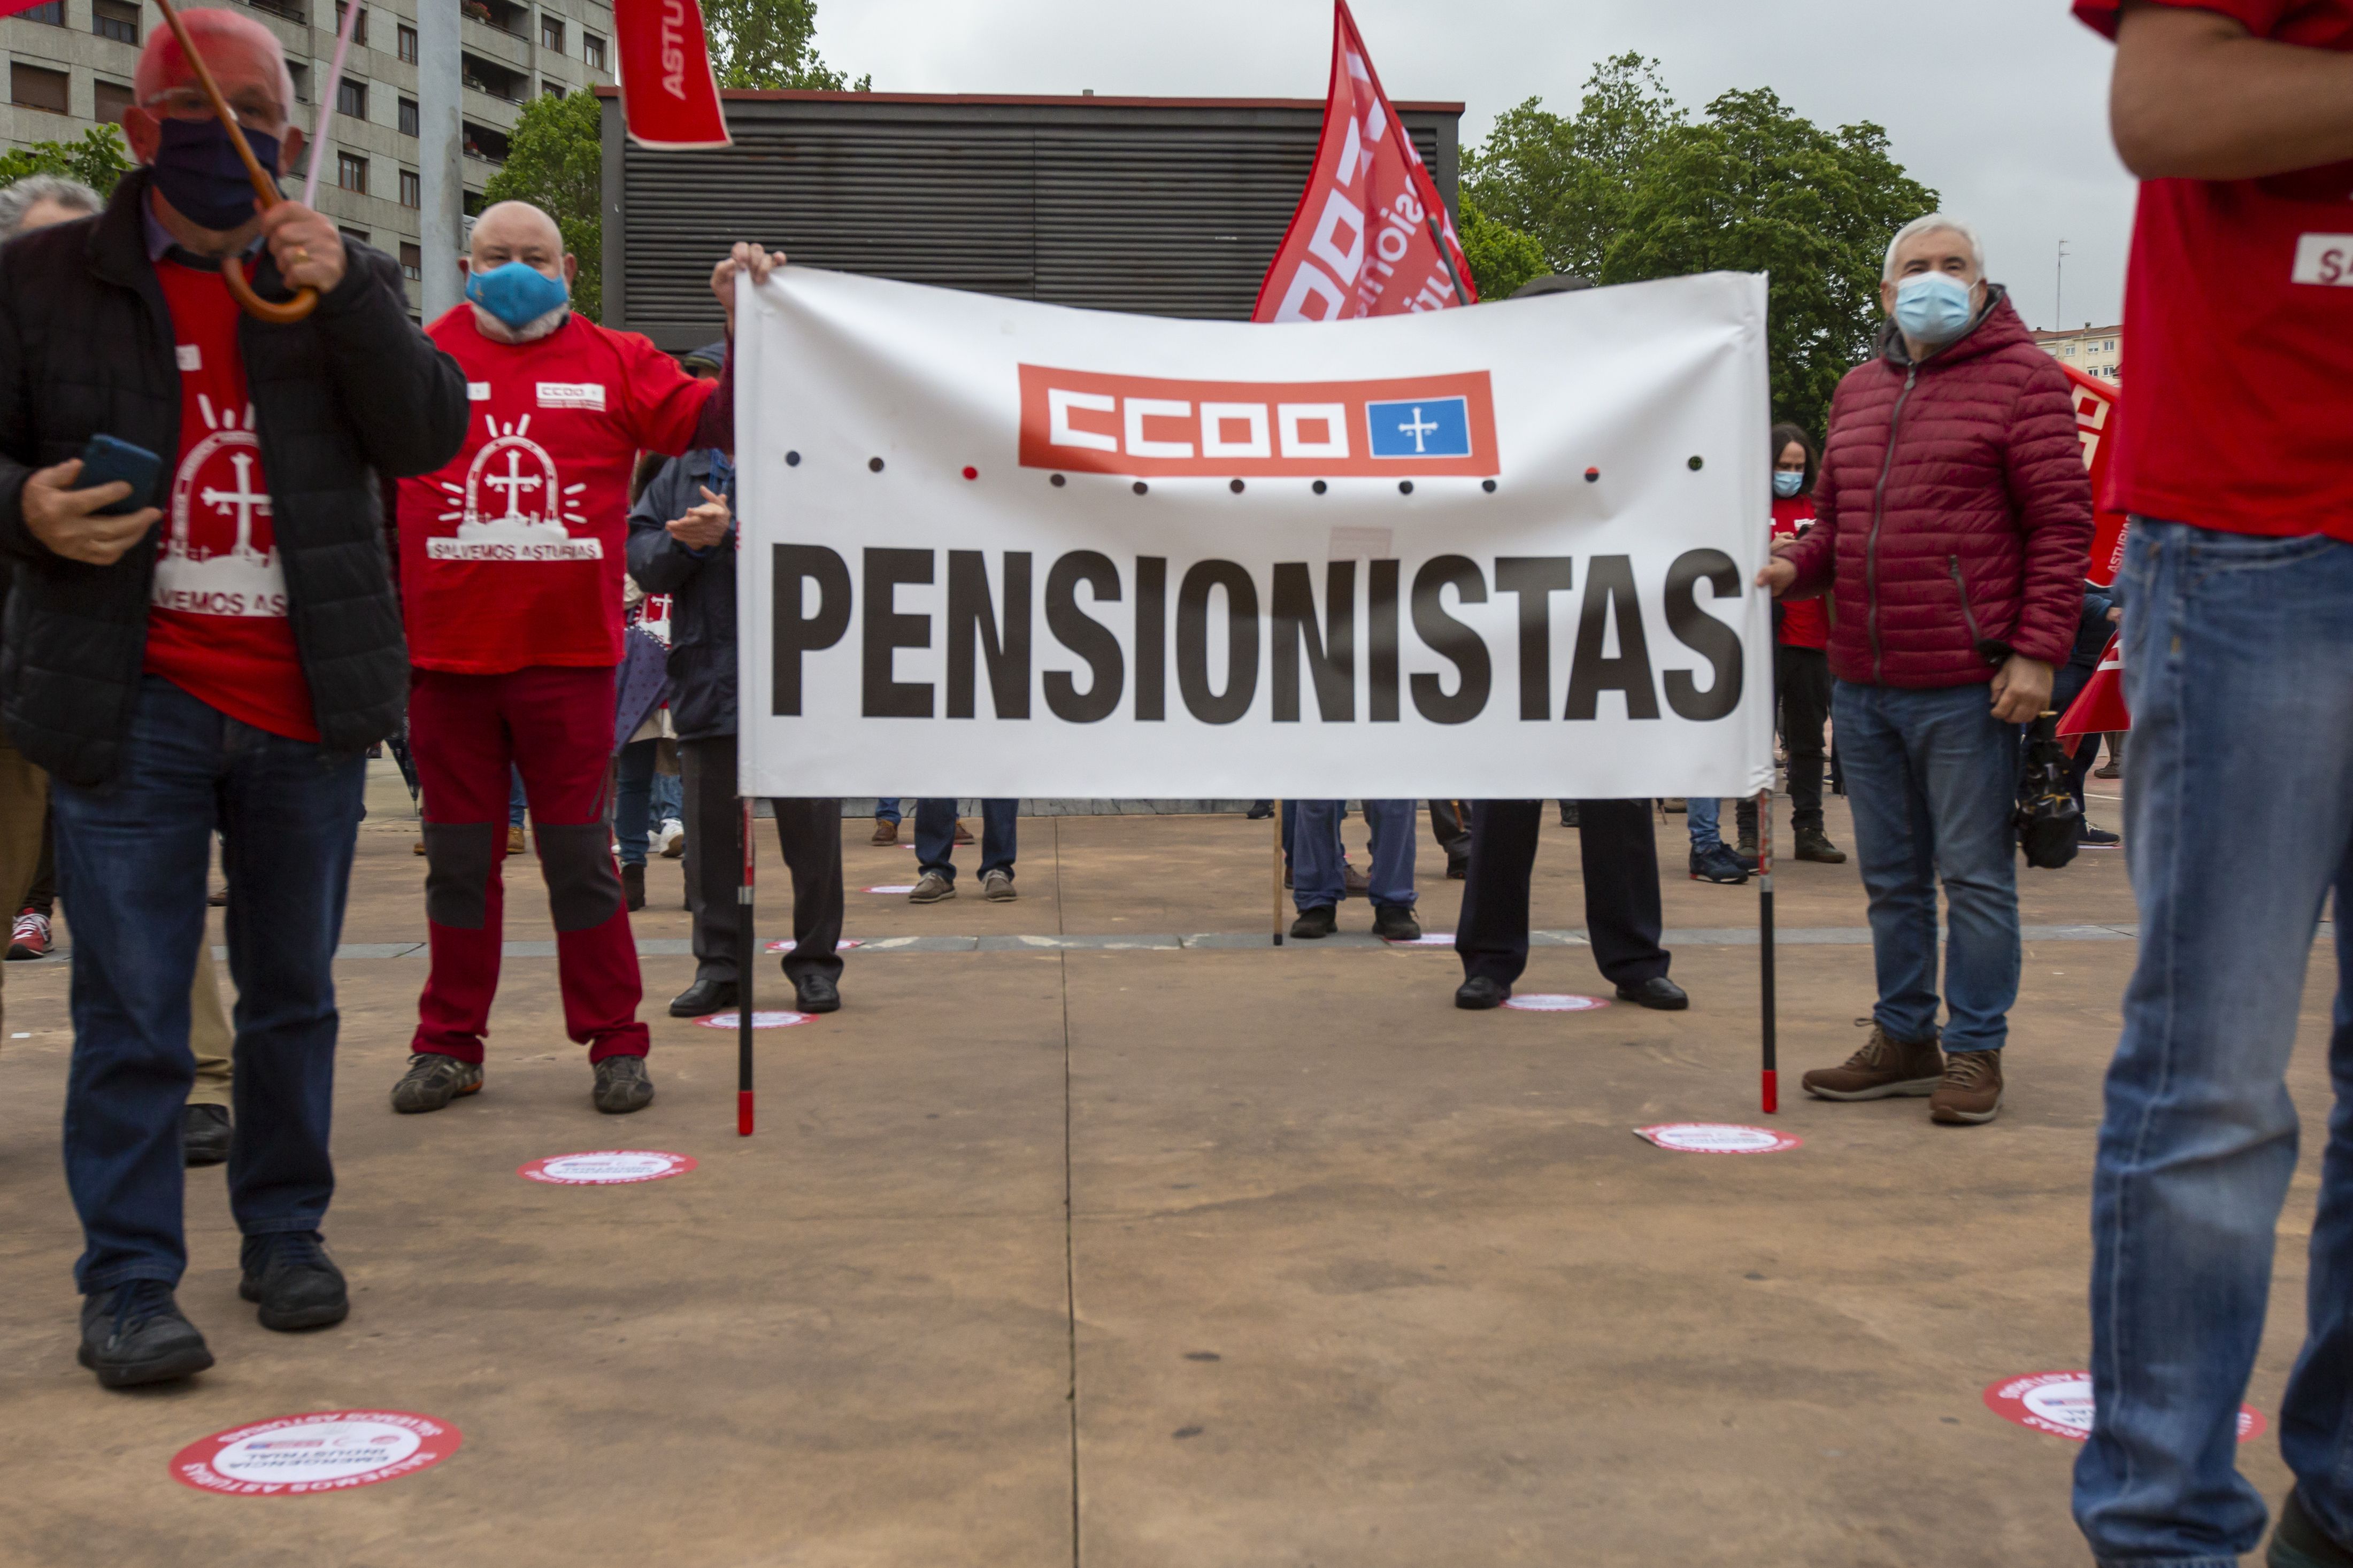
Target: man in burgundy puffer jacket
{"x": 1952, "y": 521}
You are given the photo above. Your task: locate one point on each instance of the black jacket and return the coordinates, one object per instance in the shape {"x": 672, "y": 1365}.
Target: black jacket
{"x": 702, "y": 694}
{"x": 354, "y": 392}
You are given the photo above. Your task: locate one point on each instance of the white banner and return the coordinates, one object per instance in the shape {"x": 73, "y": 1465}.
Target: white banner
{"x": 995, "y": 548}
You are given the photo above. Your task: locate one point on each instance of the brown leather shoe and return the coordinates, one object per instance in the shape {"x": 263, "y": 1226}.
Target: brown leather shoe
{"x": 1883, "y": 1069}
{"x": 963, "y": 833}
{"x": 885, "y": 832}
{"x": 514, "y": 841}
{"x": 1971, "y": 1090}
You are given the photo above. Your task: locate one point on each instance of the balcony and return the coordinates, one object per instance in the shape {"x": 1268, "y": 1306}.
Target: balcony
{"x": 492, "y": 79}
{"x": 293, "y": 11}
{"x": 482, "y": 143}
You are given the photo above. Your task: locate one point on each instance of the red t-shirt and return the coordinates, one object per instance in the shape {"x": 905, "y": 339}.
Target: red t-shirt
{"x": 2239, "y": 327}
{"x": 512, "y": 555}
{"x": 1804, "y": 622}
{"x": 217, "y": 624}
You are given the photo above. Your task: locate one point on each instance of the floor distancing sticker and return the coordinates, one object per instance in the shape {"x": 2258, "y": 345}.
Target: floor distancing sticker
{"x": 2060, "y": 1403}
{"x": 607, "y": 1167}
{"x": 761, "y": 1020}
{"x": 329, "y": 1451}
{"x": 1542, "y": 1002}
{"x": 1717, "y": 1138}
{"x": 892, "y": 887}
{"x": 844, "y": 945}
{"x": 1427, "y": 939}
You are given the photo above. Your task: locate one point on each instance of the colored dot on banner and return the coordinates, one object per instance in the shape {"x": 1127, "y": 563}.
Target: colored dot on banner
{"x": 843, "y": 945}
{"x": 759, "y": 1020}
{"x": 1541, "y": 1003}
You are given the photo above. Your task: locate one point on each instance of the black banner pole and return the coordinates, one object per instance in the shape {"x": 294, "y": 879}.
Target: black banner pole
{"x": 747, "y": 969}
{"x": 1278, "y": 872}
{"x": 1765, "y": 939}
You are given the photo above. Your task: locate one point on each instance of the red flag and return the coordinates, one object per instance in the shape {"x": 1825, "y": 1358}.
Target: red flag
{"x": 1371, "y": 236}
{"x": 668, "y": 96}
{"x": 2100, "y": 705}
{"x": 2098, "y": 406}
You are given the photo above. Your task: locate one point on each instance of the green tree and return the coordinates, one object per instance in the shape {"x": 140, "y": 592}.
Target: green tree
{"x": 97, "y": 158}
{"x": 770, "y": 44}
{"x": 556, "y": 162}
{"x": 1631, "y": 188}
{"x": 1500, "y": 257}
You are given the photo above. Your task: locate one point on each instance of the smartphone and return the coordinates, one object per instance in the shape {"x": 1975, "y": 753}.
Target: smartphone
{"x": 105, "y": 459}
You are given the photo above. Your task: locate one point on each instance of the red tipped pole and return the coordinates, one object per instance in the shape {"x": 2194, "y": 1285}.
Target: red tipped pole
{"x": 747, "y": 948}
{"x": 1771, "y": 1087}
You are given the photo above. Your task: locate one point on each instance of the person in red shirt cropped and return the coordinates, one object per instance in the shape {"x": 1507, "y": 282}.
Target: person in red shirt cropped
{"x": 1801, "y": 662}
{"x": 512, "y": 557}
{"x": 2236, "y": 470}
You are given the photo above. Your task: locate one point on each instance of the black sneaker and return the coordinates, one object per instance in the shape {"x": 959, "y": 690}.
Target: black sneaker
{"x": 817, "y": 994}
{"x": 433, "y": 1081}
{"x": 297, "y": 1284}
{"x": 1717, "y": 864}
{"x": 1320, "y": 921}
{"x": 622, "y": 1086}
{"x": 1478, "y": 994}
{"x": 2297, "y": 1542}
{"x": 1395, "y": 922}
{"x": 633, "y": 888}
{"x": 204, "y": 1134}
{"x": 1815, "y": 845}
{"x": 2098, "y": 837}
{"x": 134, "y": 1333}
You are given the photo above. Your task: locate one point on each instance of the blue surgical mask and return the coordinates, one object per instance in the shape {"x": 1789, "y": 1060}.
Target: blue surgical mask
{"x": 516, "y": 293}
{"x": 199, "y": 173}
{"x": 1788, "y": 482}
{"x": 1933, "y": 307}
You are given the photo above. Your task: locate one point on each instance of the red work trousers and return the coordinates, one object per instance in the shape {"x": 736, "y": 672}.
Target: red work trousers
{"x": 555, "y": 726}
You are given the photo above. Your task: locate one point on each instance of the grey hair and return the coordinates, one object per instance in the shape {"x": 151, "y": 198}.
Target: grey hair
{"x": 20, "y": 198}
{"x": 1930, "y": 225}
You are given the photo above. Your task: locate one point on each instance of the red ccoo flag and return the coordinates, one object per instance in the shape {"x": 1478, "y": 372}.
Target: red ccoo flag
{"x": 668, "y": 96}
{"x": 1371, "y": 236}
{"x": 2099, "y": 708}
{"x": 2098, "y": 406}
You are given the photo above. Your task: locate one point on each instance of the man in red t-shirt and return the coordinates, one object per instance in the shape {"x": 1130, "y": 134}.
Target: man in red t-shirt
{"x": 2237, "y": 471}
{"x": 511, "y": 565}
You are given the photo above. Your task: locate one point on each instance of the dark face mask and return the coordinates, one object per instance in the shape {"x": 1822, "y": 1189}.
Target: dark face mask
{"x": 198, "y": 172}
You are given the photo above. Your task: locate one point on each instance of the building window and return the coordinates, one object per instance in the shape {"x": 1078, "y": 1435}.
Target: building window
{"x": 412, "y": 262}
{"x": 412, "y": 189}
{"x": 36, "y": 87}
{"x": 550, "y": 32}
{"x": 359, "y": 28}
{"x": 592, "y": 49}
{"x": 301, "y": 75}
{"x": 111, "y": 98}
{"x": 550, "y": 89}
{"x": 53, "y": 13}
{"x": 408, "y": 116}
{"x": 116, "y": 19}
{"x": 351, "y": 98}
{"x": 356, "y": 235}
{"x": 289, "y": 9}
{"x": 407, "y": 41}
{"x": 351, "y": 173}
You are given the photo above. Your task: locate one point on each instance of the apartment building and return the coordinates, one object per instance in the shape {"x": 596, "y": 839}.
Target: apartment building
{"x": 69, "y": 67}
{"x": 2095, "y": 351}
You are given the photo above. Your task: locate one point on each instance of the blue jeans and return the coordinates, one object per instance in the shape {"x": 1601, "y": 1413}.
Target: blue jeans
{"x": 1315, "y": 878}
{"x": 935, "y": 822}
{"x": 1933, "y": 779}
{"x": 639, "y": 803}
{"x": 1704, "y": 818}
{"x": 514, "y": 797}
{"x": 887, "y": 810}
{"x": 133, "y": 856}
{"x": 2238, "y": 817}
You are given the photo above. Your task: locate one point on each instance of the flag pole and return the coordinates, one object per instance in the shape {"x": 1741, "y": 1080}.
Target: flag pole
{"x": 1772, "y": 1092}
{"x": 747, "y": 964}
{"x": 1277, "y": 820}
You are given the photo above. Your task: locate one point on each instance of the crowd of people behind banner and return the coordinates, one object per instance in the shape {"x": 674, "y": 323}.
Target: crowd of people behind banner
{"x": 171, "y": 676}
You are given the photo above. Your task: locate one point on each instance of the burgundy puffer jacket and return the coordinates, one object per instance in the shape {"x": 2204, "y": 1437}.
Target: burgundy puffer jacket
{"x": 1953, "y": 515}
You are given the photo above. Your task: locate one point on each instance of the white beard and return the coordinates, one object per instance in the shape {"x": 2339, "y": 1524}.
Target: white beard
{"x": 538, "y": 327}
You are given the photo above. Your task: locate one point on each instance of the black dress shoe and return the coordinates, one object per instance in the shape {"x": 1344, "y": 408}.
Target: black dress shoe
{"x": 1658, "y": 992}
{"x": 134, "y": 1333}
{"x": 633, "y": 888}
{"x": 204, "y": 1134}
{"x": 703, "y": 998}
{"x": 296, "y": 1283}
{"x": 1317, "y": 924}
{"x": 817, "y": 994}
{"x": 1478, "y": 994}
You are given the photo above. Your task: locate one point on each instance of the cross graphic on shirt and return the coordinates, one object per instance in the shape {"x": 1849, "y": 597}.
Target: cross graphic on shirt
{"x": 245, "y": 498}
{"x": 1418, "y": 429}
{"x": 514, "y": 481}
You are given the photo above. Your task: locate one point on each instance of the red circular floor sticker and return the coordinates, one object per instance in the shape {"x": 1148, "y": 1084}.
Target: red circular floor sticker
{"x": 845, "y": 944}
{"x": 1717, "y": 1138}
{"x": 607, "y": 1167}
{"x": 1541, "y": 1003}
{"x": 895, "y": 888}
{"x": 761, "y": 1020}
{"x": 2060, "y": 1403}
{"x": 329, "y": 1451}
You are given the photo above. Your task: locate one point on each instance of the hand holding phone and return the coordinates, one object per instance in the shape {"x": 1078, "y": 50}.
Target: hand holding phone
{"x": 73, "y": 518}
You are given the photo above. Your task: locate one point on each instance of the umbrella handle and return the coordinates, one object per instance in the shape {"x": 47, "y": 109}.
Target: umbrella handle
{"x": 306, "y": 299}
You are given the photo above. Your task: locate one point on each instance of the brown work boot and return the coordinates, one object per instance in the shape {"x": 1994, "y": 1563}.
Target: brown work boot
{"x": 1884, "y": 1068}
{"x": 1971, "y": 1090}
{"x": 1815, "y": 845}
{"x": 885, "y": 831}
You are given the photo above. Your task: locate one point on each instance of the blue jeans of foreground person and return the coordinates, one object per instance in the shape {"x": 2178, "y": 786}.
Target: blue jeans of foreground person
{"x": 2238, "y": 670}
{"x": 935, "y": 822}
{"x": 1316, "y": 881}
{"x": 1933, "y": 778}
{"x": 133, "y": 856}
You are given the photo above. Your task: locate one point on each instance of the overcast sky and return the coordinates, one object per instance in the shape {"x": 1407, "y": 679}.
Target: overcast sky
{"x": 1999, "y": 106}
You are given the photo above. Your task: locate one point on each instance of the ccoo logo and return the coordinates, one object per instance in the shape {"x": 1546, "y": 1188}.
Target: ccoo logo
{"x": 1145, "y": 427}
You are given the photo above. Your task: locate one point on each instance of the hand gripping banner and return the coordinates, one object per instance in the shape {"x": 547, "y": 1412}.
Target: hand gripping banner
{"x": 996, "y": 548}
